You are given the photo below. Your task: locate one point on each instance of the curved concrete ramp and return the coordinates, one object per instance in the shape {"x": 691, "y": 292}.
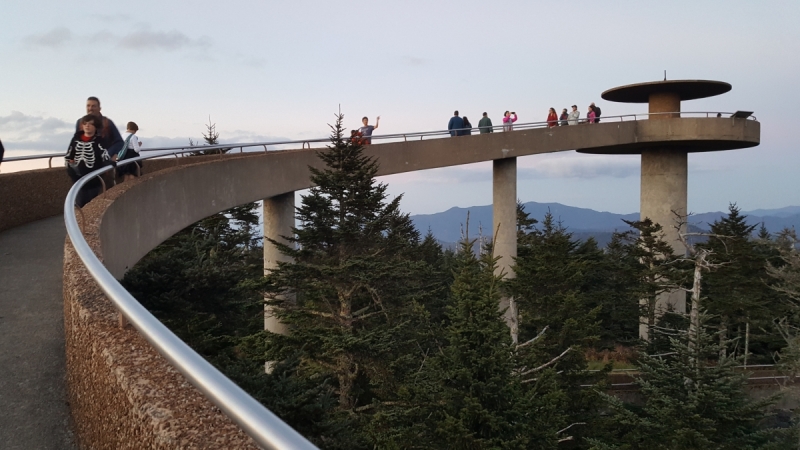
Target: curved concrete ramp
{"x": 35, "y": 413}
{"x": 154, "y": 207}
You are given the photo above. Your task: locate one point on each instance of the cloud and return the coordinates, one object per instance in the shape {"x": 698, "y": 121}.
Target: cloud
{"x": 23, "y": 132}
{"x": 581, "y": 167}
{"x": 54, "y": 38}
{"x": 414, "y": 61}
{"x": 141, "y": 40}
{"x": 160, "y": 40}
{"x": 540, "y": 167}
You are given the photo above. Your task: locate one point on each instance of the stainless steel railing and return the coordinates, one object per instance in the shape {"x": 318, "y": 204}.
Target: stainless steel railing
{"x": 262, "y": 425}
{"x": 254, "y": 146}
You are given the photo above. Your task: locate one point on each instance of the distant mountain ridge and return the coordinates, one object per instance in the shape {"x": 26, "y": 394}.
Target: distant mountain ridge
{"x": 447, "y": 226}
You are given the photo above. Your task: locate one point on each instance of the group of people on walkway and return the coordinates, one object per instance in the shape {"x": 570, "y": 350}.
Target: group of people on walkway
{"x": 573, "y": 117}
{"x": 96, "y": 144}
{"x": 461, "y": 126}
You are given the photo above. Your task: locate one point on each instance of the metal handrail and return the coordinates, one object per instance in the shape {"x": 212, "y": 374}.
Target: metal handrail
{"x": 169, "y": 151}
{"x": 257, "y": 421}
{"x": 267, "y": 429}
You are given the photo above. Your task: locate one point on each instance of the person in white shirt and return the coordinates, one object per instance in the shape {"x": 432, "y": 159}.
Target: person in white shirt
{"x": 573, "y": 116}
{"x": 129, "y": 150}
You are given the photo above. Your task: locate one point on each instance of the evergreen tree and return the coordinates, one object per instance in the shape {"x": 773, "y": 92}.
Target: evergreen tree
{"x": 692, "y": 398}
{"x": 553, "y": 294}
{"x": 210, "y": 137}
{"x": 619, "y": 280}
{"x": 738, "y": 293}
{"x": 359, "y": 280}
{"x": 657, "y": 270}
{"x": 205, "y": 282}
{"x": 478, "y": 390}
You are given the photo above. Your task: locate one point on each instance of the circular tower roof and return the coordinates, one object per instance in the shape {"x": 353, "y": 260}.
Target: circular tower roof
{"x": 687, "y": 89}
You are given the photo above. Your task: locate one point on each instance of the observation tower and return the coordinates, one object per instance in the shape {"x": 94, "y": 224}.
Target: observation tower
{"x": 664, "y": 165}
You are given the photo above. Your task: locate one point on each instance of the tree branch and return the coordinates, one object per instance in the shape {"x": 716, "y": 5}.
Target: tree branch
{"x": 541, "y": 333}
{"x": 547, "y": 364}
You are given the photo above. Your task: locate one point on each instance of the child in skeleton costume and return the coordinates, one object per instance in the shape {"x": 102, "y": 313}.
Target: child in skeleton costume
{"x": 86, "y": 153}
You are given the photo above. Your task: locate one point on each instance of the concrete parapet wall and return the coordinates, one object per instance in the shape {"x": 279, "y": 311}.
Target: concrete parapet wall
{"x": 122, "y": 393}
{"x": 32, "y": 195}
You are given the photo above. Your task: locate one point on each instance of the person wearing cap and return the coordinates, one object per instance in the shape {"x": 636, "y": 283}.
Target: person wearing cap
{"x": 574, "y": 115}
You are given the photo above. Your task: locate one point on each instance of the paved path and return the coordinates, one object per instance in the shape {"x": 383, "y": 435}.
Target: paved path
{"x": 34, "y": 413}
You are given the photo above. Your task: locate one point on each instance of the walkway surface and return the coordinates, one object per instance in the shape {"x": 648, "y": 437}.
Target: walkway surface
{"x": 34, "y": 413}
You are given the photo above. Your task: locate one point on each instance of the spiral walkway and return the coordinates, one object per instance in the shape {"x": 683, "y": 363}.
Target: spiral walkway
{"x": 35, "y": 413}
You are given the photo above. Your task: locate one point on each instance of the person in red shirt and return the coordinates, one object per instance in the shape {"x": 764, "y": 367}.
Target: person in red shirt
{"x": 552, "y": 118}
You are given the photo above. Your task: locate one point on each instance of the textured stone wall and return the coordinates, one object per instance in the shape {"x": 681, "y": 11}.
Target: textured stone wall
{"x": 122, "y": 393}
{"x": 32, "y": 195}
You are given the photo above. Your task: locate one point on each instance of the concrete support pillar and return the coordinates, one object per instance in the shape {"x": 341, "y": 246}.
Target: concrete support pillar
{"x": 504, "y": 229}
{"x": 278, "y": 221}
{"x": 663, "y": 195}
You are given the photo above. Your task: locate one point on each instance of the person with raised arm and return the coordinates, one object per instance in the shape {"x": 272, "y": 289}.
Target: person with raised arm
{"x": 367, "y": 129}
{"x": 508, "y": 121}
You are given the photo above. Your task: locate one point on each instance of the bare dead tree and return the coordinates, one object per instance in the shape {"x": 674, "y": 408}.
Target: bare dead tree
{"x": 700, "y": 258}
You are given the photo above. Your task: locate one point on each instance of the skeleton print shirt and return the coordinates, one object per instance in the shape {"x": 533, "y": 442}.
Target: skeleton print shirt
{"x": 88, "y": 154}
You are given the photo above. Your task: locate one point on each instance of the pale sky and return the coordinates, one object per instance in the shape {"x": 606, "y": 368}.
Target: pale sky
{"x": 279, "y": 70}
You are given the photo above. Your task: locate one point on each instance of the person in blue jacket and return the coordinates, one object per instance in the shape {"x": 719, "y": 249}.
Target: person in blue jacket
{"x": 107, "y": 131}
{"x": 455, "y": 125}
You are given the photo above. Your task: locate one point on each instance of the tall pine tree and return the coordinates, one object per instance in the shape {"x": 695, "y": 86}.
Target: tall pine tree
{"x": 738, "y": 292}
{"x": 359, "y": 281}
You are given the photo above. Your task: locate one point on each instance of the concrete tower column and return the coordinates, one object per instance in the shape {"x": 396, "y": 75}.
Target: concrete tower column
{"x": 278, "y": 221}
{"x": 504, "y": 229}
{"x": 664, "y": 194}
